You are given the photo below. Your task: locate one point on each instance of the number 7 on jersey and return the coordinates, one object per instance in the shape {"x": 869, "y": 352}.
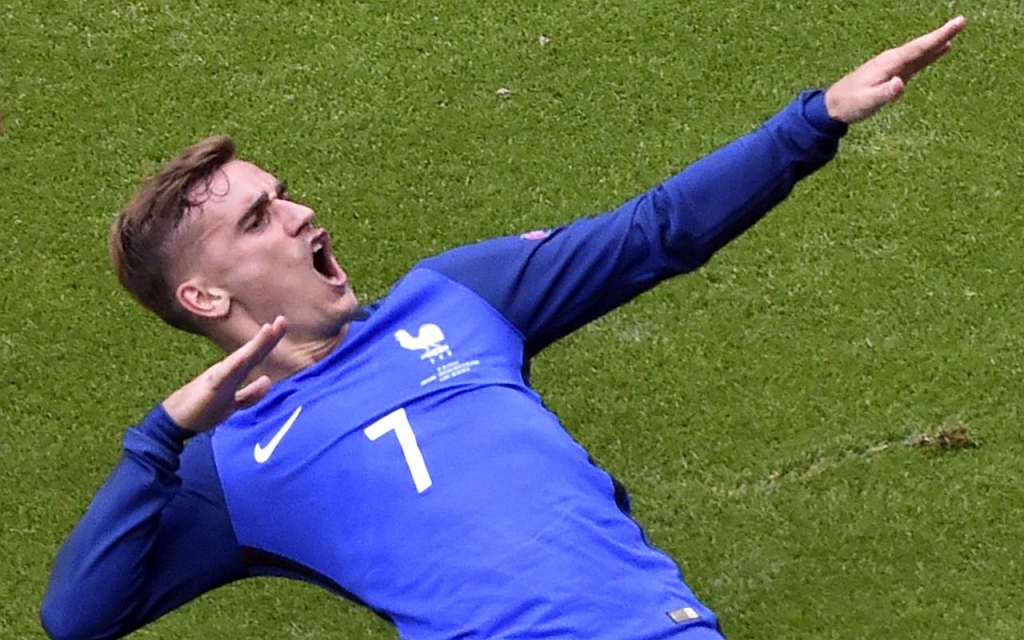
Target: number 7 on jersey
{"x": 398, "y": 422}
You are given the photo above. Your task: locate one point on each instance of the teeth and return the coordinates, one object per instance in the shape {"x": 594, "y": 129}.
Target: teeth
{"x": 317, "y": 246}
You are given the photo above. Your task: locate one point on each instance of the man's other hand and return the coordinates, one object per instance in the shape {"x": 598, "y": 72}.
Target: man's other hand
{"x": 219, "y": 391}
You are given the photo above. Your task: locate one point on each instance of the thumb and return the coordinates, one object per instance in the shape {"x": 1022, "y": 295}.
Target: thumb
{"x": 892, "y": 89}
{"x": 874, "y": 99}
{"x": 253, "y": 392}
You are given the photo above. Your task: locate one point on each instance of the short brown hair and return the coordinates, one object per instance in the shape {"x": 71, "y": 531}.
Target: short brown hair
{"x": 142, "y": 235}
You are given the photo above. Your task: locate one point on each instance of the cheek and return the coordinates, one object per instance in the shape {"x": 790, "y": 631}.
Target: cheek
{"x": 249, "y": 279}
{"x": 241, "y": 272}
{"x": 258, "y": 278}
{"x": 258, "y": 272}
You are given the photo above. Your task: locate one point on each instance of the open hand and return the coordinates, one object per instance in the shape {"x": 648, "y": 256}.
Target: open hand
{"x": 882, "y": 79}
{"x": 218, "y": 392}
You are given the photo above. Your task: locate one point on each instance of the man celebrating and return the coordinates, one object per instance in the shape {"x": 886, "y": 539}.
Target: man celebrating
{"x": 395, "y": 453}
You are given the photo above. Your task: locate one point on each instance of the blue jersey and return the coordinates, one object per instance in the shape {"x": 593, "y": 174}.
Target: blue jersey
{"x": 414, "y": 470}
{"x": 421, "y": 474}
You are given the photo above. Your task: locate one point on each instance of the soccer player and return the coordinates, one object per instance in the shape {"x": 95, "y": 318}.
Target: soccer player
{"x": 395, "y": 453}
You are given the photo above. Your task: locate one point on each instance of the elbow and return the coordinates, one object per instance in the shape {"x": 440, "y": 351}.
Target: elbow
{"x": 58, "y": 619}
{"x": 689, "y": 252}
{"x": 55, "y": 623}
{"x": 63, "y": 617}
{"x": 689, "y": 240}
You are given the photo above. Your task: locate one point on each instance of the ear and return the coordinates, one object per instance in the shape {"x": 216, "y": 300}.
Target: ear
{"x": 204, "y": 300}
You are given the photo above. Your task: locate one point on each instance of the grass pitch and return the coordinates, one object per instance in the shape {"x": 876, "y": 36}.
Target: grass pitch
{"x": 821, "y": 426}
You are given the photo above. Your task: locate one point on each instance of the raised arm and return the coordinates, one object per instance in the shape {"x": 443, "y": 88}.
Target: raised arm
{"x": 157, "y": 534}
{"x": 549, "y": 284}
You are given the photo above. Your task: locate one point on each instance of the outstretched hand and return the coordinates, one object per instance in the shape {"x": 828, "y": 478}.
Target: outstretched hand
{"x": 218, "y": 392}
{"x": 882, "y": 79}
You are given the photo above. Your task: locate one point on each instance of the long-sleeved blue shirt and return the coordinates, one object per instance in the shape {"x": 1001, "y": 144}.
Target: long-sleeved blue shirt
{"x": 414, "y": 470}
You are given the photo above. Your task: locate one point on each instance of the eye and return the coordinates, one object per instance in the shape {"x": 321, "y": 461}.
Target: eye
{"x": 257, "y": 220}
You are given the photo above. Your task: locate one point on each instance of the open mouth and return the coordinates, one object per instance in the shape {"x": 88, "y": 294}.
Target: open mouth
{"x": 324, "y": 262}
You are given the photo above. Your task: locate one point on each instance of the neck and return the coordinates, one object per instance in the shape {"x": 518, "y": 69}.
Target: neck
{"x": 291, "y": 355}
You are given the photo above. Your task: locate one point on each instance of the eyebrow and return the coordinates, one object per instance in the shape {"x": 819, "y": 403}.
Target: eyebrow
{"x": 260, "y": 203}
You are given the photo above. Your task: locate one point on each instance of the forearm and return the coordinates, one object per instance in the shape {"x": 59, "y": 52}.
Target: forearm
{"x": 99, "y": 575}
{"x": 700, "y": 210}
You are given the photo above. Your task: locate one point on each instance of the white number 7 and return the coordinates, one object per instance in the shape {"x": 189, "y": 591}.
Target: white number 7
{"x": 398, "y": 422}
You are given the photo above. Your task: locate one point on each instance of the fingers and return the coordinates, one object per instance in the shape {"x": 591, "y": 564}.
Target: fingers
{"x": 245, "y": 358}
{"x": 265, "y": 340}
{"x": 924, "y": 50}
{"x": 909, "y": 67}
{"x": 941, "y": 37}
{"x": 253, "y": 392}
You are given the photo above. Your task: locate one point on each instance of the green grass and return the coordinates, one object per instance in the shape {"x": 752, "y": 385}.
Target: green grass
{"x": 761, "y": 410}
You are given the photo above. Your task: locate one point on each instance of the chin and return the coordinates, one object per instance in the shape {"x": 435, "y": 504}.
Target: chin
{"x": 349, "y": 302}
{"x": 344, "y": 310}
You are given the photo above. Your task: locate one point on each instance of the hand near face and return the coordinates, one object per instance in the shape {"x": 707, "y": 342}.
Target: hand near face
{"x": 882, "y": 79}
{"x": 218, "y": 392}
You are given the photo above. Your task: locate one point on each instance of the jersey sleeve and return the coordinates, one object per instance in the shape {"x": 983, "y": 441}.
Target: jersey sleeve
{"x": 550, "y": 283}
{"x": 154, "y": 537}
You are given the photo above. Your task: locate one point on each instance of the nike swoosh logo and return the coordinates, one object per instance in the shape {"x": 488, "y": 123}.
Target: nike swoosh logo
{"x": 261, "y": 453}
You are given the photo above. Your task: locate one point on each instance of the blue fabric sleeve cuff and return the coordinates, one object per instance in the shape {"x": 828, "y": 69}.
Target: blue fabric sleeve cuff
{"x": 817, "y": 114}
{"x": 167, "y": 424}
{"x": 157, "y": 439}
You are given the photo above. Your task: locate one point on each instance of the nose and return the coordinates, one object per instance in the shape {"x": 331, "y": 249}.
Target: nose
{"x": 295, "y": 217}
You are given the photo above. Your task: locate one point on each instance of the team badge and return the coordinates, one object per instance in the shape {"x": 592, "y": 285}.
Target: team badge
{"x": 536, "y": 234}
